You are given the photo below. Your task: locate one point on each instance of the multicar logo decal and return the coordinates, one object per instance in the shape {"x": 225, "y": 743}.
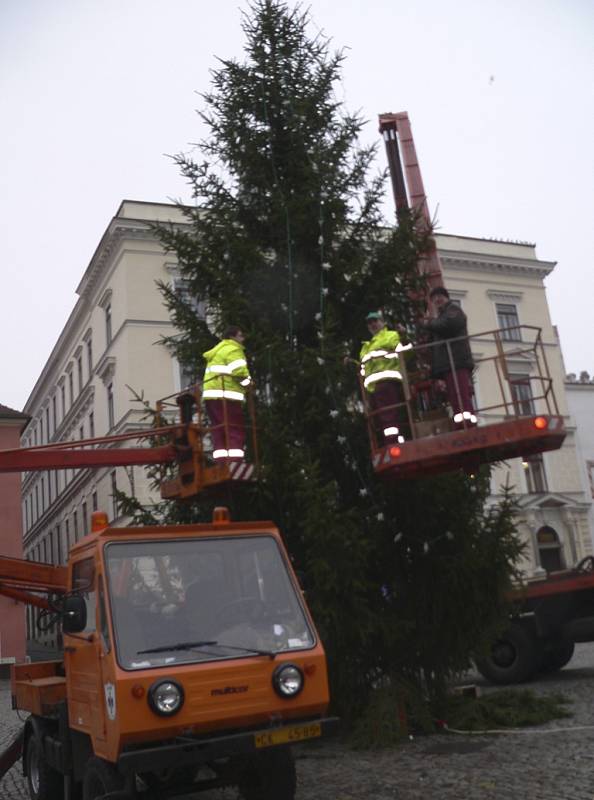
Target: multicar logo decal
{"x": 110, "y": 700}
{"x": 229, "y": 690}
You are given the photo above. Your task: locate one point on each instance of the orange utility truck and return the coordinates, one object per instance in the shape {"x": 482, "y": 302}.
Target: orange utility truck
{"x": 190, "y": 658}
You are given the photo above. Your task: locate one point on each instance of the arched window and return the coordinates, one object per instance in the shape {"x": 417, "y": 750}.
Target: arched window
{"x": 549, "y": 549}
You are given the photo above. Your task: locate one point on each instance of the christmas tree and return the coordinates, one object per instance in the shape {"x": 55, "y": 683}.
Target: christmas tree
{"x": 286, "y": 239}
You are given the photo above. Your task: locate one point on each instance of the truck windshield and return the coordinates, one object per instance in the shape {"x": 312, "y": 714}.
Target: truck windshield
{"x": 232, "y": 597}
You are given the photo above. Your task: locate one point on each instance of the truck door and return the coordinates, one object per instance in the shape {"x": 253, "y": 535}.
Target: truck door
{"x": 82, "y": 651}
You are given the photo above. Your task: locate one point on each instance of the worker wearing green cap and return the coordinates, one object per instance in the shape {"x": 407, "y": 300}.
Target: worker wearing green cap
{"x": 382, "y": 379}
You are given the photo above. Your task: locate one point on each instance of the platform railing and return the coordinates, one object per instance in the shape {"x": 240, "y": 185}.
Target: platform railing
{"x": 515, "y": 382}
{"x": 187, "y": 407}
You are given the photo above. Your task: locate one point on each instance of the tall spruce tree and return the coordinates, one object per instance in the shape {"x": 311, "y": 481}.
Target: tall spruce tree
{"x": 286, "y": 239}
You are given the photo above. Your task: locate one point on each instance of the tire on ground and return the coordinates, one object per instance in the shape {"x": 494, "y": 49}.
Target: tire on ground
{"x": 514, "y": 657}
{"x": 557, "y": 653}
{"x": 269, "y": 775}
{"x": 44, "y": 782}
{"x": 100, "y": 778}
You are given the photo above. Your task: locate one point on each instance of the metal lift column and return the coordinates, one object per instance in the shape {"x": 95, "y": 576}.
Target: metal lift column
{"x": 407, "y": 183}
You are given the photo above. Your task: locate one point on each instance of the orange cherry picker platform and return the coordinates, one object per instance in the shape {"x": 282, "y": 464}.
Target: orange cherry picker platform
{"x": 510, "y": 425}
{"x": 190, "y": 660}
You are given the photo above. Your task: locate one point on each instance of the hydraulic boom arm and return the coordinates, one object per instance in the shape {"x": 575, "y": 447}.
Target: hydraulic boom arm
{"x": 71, "y": 455}
{"x": 19, "y": 578}
{"x": 407, "y": 183}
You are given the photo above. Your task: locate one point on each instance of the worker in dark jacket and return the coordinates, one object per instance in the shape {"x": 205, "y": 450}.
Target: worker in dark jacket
{"x": 452, "y": 362}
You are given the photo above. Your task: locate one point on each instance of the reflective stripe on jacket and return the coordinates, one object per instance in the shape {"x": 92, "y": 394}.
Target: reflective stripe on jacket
{"x": 379, "y": 358}
{"x": 226, "y": 374}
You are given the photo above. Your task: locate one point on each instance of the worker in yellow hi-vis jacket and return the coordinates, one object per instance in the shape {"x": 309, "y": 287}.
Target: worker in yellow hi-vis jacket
{"x": 380, "y": 369}
{"x": 226, "y": 379}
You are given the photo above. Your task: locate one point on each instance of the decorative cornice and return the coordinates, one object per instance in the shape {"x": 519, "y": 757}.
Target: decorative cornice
{"x": 553, "y": 500}
{"x": 105, "y": 369}
{"x": 473, "y": 262}
{"x": 107, "y": 249}
{"x": 105, "y": 298}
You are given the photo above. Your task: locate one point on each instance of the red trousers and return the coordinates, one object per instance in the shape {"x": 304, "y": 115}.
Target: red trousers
{"x": 227, "y": 424}
{"x": 459, "y": 389}
{"x": 394, "y": 420}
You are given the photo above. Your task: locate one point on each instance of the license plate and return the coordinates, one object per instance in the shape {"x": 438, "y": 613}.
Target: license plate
{"x": 296, "y": 733}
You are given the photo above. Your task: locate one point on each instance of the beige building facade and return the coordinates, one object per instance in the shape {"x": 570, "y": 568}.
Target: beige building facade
{"x": 107, "y": 348}
{"x": 580, "y": 398}
{"x": 501, "y": 285}
{"x": 110, "y": 346}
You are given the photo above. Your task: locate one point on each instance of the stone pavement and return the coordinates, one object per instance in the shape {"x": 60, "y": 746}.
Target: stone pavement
{"x": 526, "y": 766}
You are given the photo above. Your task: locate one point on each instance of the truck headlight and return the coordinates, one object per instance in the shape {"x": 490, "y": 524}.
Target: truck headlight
{"x": 287, "y": 680}
{"x": 166, "y": 697}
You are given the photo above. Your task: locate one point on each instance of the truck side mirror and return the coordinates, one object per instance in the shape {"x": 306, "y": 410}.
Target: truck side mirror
{"x": 74, "y": 614}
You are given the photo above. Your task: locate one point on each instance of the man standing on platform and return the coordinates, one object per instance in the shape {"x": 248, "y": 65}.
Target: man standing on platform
{"x": 452, "y": 362}
{"x": 226, "y": 379}
{"x": 380, "y": 369}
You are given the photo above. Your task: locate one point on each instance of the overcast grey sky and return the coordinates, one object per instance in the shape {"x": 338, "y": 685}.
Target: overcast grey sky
{"x": 94, "y": 93}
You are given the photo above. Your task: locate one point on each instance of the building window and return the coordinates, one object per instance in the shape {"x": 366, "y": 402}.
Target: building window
{"x": 536, "y": 479}
{"x": 90, "y": 356}
{"x": 508, "y": 321}
{"x": 63, "y": 396}
{"x": 55, "y": 413}
{"x": 85, "y": 522}
{"x": 110, "y": 408}
{"x": 71, "y": 387}
{"x": 79, "y": 371}
{"x": 75, "y": 526}
{"x": 182, "y": 289}
{"x": 521, "y": 392}
{"x": 58, "y": 545}
{"x": 67, "y": 532}
{"x": 187, "y": 376}
{"x": 108, "y": 323}
{"x": 91, "y": 425}
{"x": 114, "y": 500}
{"x": 41, "y": 431}
{"x": 47, "y": 423}
{"x": 549, "y": 549}
{"x": 81, "y": 432}
{"x": 94, "y": 501}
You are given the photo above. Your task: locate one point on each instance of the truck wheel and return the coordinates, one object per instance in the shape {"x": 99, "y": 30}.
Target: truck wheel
{"x": 514, "y": 658}
{"x": 100, "y": 778}
{"x": 44, "y": 782}
{"x": 269, "y": 775}
{"x": 557, "y": 654}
